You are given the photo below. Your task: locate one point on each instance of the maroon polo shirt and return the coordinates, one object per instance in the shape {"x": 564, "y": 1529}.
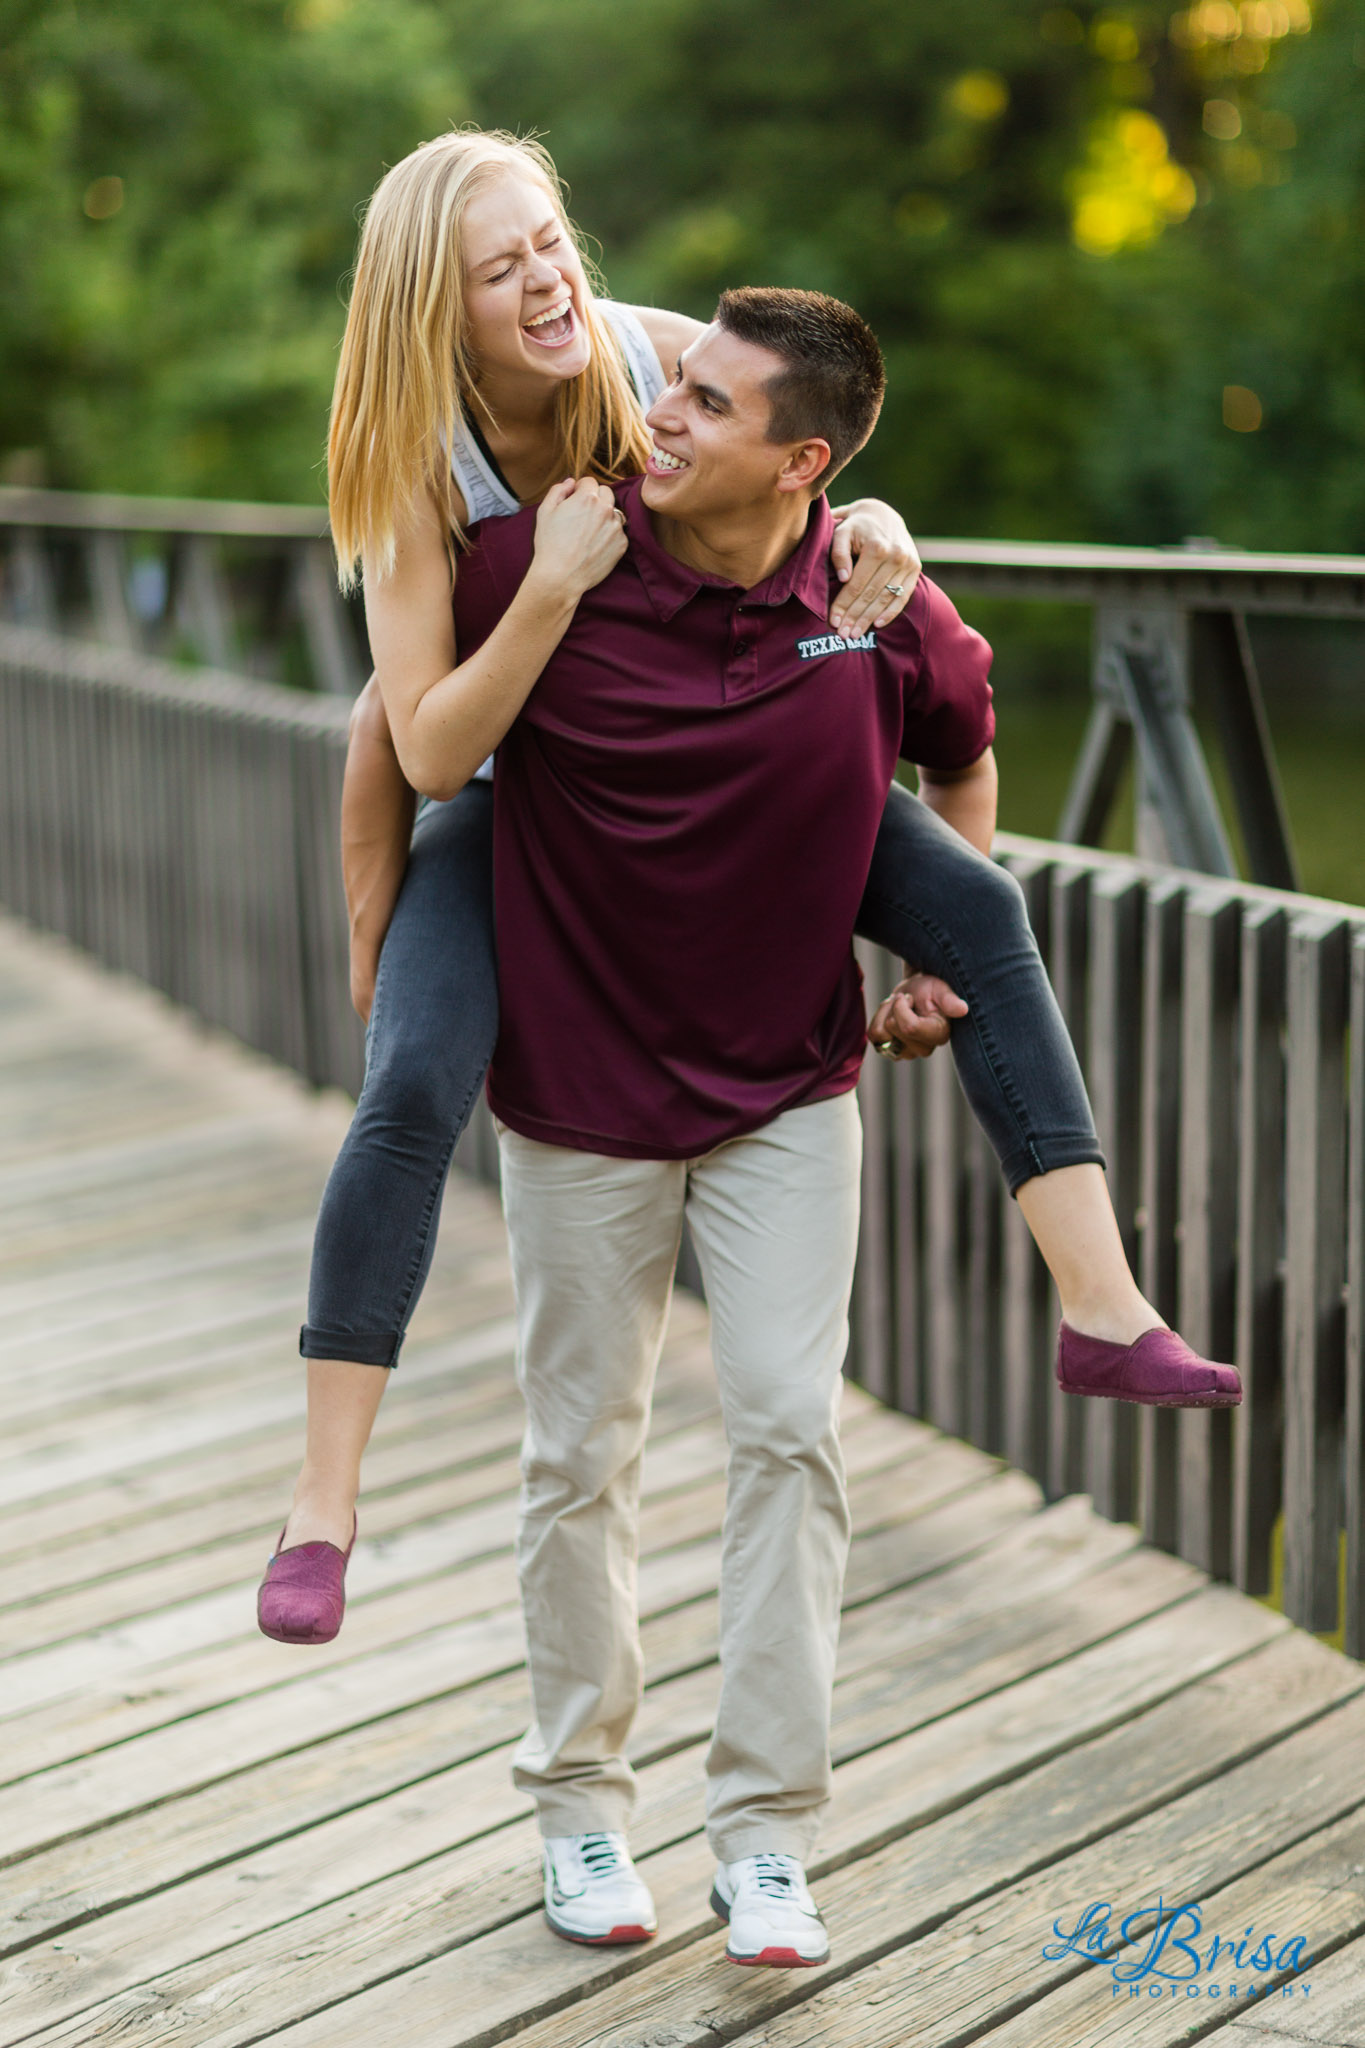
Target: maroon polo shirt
{"x": 684, "y": 819}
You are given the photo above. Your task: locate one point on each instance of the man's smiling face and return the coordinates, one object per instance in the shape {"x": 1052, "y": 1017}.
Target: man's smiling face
{"x": 712, "y": 454}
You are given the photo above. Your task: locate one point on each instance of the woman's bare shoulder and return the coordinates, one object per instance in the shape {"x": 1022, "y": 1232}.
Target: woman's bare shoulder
{"x": 670, "y": 333}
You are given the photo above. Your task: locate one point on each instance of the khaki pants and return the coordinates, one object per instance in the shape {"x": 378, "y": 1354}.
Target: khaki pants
{"x": 774, "y": 1217}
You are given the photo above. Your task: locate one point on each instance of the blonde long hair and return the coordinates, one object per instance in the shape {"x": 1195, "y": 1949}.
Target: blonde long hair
{"x": 406, "y": 372}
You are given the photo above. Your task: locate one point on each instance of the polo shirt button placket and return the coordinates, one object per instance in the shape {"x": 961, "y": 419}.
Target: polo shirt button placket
{"x": 741, "y": 673}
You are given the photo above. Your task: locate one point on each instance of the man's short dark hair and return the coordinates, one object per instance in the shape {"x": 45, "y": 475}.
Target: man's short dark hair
{"x": 831, "y": 388}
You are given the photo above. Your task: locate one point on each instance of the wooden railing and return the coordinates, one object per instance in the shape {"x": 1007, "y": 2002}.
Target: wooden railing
{"x": 184, "y": 827}
{"x": 251, "y": 588}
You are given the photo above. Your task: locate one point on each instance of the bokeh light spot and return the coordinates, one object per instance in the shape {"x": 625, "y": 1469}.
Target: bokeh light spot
{"x": 980, "y": 95}
{"x": 1128, "y": 188}
{"x": 1222, "y": 120}
{"x": 103, "y": 198}
{"x": 1115, "y": 39}
{"x": 1241, "y": 409}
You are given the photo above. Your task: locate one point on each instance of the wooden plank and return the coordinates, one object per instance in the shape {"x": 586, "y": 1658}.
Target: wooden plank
{"x": 1163, "y": 956}
{"x": 1336, "y": 2016}
{"x": 455, "y": 1802}
{"x": 1257, "y": 1428}
{"x": 1315, "y": 1262}
{"x": 1208, "y": 1211}
{"x": 1028, "y": 1336}
{"x": 1113, "y": 1067}
{"x": 390, "y": 1926}
{"x": 459, "y": 1445}
{"x": 495, "y": 1966}
{"x": 1315, "y": 1889}
{"x": 658, "y": 1999}
{"x": 1068, "y": 965}
{"x": 1046, "y": 1557}
{"x": 157, "y": 1722}
{"x": 946, "y": 1985}
{"x": 1354, "y": 1619}
{"x": 969, "y": 1663}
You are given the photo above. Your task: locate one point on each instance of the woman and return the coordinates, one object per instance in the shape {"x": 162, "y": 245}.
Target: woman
{"x": 479, "y": 373}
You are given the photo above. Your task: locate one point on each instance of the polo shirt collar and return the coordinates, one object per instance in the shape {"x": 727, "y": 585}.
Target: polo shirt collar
{"x": 670, "y": 584}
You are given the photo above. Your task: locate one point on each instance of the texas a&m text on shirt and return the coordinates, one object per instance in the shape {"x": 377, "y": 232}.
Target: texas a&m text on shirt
{"x": 684, "y": 814}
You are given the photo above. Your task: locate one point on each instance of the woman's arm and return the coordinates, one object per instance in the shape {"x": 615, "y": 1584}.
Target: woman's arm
{"x": 445, "y": 715}
{"x": 377, "y": 804}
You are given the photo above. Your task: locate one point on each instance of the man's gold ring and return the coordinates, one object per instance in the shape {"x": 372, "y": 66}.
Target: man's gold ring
{"x": 889, "y": 1048}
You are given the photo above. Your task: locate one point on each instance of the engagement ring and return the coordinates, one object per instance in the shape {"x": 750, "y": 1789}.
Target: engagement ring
{"x": 895, "y": 589}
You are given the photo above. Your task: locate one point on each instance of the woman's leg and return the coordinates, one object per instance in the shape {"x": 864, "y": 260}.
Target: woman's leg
{"x": 428, "y": 1046}
{"x": 948, "y": 910}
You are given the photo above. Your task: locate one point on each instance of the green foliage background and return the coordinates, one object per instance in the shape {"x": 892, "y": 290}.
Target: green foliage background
{"x": 186, "y": 342}
{"x": 176, "y": 331}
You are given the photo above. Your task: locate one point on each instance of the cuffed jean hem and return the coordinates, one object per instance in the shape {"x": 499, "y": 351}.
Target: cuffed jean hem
{"x": 345, "y": 1345}
{"x": 1029, "y": 1160}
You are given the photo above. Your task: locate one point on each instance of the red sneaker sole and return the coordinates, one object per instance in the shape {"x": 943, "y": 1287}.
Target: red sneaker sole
{"x": 777, "y": 1959}
{"x": 618, "y": 1937}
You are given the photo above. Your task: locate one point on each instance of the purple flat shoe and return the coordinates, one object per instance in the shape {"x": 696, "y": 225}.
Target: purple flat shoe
{"x": 303, "y": 1594}
{"x": 1160, "y": 1371}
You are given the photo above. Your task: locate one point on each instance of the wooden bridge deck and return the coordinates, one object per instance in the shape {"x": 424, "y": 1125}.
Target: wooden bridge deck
{"x": 211, "y": 1840}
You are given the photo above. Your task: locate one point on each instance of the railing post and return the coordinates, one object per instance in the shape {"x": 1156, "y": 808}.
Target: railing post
{"x": 1257, "y": 1436}
{"x": 336, "y": 665}
{"x": 1163, "y": 955}
{"x": 203, "y": 604}
{"x": 106, "y": 562}
{"x": 1114, "y": 1067}
{"x": 1315, "y": 1244}
{"x": 1354, "y": 1634}
{"x": 1028, "y": 1333}
{"x": 945, "y": 1222}
{"x": 30, "y": 580}
{"x": 1068, "y": 965}
{"x": 1208, "y": 1212}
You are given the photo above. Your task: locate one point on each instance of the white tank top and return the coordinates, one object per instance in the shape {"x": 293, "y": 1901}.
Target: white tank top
{"x": 486, "y": 491}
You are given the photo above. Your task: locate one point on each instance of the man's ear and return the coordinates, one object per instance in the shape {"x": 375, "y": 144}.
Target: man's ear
{"x": 805, "y": 462}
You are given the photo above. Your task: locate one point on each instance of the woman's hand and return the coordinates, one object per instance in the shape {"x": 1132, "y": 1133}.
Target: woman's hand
{"x": 877, "y": 539}
{"x": 915, "y": 1017}
{"x": 580, "y": 537}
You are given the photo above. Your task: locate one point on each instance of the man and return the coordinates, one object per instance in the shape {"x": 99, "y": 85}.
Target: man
{"x": 685, "y": 814}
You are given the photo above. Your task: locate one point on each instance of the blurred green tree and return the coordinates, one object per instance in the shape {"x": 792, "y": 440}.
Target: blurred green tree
{"x": 1114, "y": 253}
{"x": 178, "y": 197}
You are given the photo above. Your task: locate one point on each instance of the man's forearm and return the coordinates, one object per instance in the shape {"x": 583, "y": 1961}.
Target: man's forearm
{"x": 966, "y": 801}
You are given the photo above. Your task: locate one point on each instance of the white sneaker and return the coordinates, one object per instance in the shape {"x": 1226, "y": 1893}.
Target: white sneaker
{"x": 772, "y": 1917}
{"x": 593, "y": 1892}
